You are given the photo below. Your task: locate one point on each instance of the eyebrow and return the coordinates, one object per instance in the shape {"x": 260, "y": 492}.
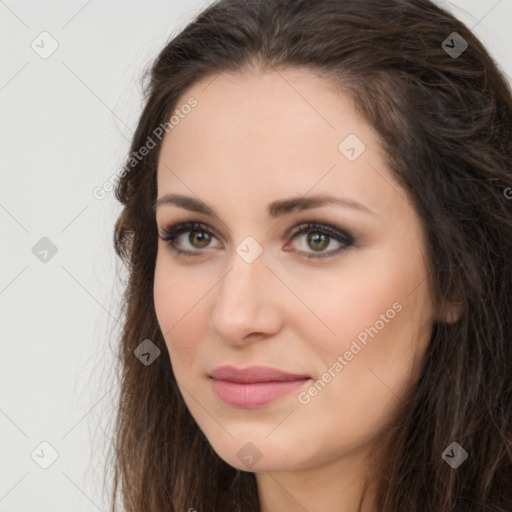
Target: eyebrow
{"x": 275, "y": 208}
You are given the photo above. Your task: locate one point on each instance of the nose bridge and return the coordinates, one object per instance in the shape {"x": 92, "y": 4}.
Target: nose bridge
{"x": 245, "y": 302}
{"x": 248, "y": 267}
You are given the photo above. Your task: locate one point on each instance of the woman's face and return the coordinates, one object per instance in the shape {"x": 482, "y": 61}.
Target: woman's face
{"x": 354, "y": 323}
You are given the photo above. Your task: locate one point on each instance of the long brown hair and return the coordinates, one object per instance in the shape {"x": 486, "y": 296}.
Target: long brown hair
{"x": 444, "y": 116}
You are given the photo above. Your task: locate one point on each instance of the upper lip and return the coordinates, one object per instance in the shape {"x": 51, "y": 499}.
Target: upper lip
{"x": 254, "y": 374}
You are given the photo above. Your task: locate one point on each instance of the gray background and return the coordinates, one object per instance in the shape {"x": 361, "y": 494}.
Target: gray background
{"x": 65, "y": 124}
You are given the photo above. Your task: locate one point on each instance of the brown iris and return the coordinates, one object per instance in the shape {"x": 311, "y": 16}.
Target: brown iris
{"x": 316, "y": 237}
{"x": 202, "y": 237}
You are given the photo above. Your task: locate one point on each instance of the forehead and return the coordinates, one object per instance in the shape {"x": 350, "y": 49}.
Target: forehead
{"x": 271, "y": 135}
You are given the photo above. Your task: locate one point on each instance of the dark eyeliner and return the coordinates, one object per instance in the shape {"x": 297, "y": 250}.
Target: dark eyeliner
{"x": 334, "y": 232}
{"x": 173, "y": 231}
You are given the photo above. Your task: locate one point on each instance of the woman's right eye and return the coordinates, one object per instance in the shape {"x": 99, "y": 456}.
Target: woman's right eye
{"x": 172, "y": 234}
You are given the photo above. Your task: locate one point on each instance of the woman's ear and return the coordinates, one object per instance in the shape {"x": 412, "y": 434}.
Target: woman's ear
{"x": 450, "y": 312}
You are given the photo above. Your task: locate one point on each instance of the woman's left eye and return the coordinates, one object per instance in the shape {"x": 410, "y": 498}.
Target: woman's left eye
{"x": 319, "y": 237}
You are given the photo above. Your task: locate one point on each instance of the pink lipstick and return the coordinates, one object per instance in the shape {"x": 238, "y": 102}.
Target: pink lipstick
{"x": 253, "y": 386}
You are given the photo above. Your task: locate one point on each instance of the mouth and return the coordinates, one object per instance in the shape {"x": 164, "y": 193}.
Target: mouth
{"x": 254, "y": 386}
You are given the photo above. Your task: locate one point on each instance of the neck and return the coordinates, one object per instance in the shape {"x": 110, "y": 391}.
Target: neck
{"x": 333, "y": 485}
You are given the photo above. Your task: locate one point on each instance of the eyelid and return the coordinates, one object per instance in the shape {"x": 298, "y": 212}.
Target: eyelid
{"x": 326, "y": 227}
{"x": 176, "y": 229}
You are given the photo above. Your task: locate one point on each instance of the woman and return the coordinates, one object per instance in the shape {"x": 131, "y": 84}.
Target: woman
{"x": 365, "y": 366}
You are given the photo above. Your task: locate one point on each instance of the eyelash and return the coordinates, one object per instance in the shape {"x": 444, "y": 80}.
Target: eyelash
{"x": 333, "y": 232}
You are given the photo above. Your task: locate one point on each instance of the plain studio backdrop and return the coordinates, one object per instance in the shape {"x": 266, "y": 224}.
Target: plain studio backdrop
{"x": 69, "y": 100}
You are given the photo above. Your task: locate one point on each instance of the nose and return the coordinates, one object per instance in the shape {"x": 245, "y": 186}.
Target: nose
{"x": 247, "y": 305}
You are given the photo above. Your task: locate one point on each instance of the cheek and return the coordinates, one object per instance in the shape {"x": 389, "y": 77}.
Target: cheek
{"x": 181, "y": 296}
{"x": 377, "y": 331}
{"x": 374, "y": 313}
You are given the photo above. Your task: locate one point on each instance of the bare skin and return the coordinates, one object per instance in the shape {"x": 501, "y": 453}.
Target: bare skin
{"x": 252, "y": 140}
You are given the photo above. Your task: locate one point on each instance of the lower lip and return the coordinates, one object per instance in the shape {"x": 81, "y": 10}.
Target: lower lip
{"x": 255, "y": 394}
